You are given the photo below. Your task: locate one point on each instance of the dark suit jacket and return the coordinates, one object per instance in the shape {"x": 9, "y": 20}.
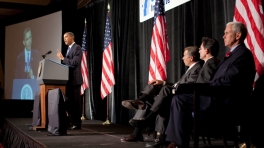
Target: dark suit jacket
{"x": 189, "y": 77}
{"x": 73, "y": 60}
{"x": 233, "y": 79}
{"x": 208, "y": 70}
{"x": 205, "y": 74}
{"x": 192, "y": 74}
{"x": 20, "y": 64}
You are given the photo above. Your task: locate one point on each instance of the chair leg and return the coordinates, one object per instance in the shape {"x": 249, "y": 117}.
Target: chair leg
{"x": 191, "y": 136}
{"x": 207, "y": 135}
{"x": 209, "y": 140}
{"x": 224, "y": 141}
{"x": 248, "y": 145}
{"x": 236, "y": 144}
{"x": 154, "y": 135}
{"x": 246, "y": 137}
{"x": 203, "y": 139}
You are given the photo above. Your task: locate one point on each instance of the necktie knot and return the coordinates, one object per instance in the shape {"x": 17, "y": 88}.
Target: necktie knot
{"x": 228, "y": 54}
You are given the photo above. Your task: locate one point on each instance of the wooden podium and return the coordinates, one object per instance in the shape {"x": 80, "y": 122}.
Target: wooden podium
{"x": 51, "y": 75}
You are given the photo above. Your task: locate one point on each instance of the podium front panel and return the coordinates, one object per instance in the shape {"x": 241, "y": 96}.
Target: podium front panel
{"x": 51, "y": 72}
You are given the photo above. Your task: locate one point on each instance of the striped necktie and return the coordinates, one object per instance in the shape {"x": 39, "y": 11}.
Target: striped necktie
{"x": 28, "y": 62}
{"x": 68, "y": 50}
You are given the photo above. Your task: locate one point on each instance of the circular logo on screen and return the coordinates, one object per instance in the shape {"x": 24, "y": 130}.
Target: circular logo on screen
{"x": 26, "y": 93}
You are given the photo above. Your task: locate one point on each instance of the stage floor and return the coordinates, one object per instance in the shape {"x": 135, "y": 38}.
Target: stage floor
{"x": 93, "y": 134}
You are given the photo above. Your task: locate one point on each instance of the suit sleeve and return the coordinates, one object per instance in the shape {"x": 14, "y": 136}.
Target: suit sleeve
{"x": 76, "y": 59}
{"x": 193, "y": 76}
{"x": 207, "y": 72}
{"x": 235, "y": 73}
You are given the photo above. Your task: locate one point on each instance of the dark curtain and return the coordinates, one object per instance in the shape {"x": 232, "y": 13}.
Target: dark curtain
{"x": 96, "y": 17}
{"x": 186, "y": 25}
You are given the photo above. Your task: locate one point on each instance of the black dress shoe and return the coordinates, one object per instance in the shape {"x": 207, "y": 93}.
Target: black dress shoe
{"x": 142, "y": 123}
{"x": 133, "y": 104}
{"x": 172, "y": 145}
{"x": 74, "y": 127}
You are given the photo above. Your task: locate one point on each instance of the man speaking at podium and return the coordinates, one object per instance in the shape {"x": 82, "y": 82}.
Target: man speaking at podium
{"x": 73, "y": 59}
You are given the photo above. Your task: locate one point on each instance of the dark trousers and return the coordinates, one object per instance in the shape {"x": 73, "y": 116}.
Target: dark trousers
{"x": 161, "y": 98}
{"x": 179, "y": 125}
{"x": 74, "y": 95}
{"x": 157, "y": 95}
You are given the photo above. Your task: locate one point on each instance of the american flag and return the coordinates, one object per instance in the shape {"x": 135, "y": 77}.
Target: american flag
{"x": 84, "y": 68}
{"x": 108, "y": 79}
{"x": 250, "y": 13}
{"x": 159, "y": 50}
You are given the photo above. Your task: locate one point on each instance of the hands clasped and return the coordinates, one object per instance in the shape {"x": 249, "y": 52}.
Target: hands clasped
{"x": 30, "y": 74}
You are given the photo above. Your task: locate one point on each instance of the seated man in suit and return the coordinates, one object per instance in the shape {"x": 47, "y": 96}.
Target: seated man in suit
{"x": 208, "y": 50}
{"x": 231, "y": 85}
{"x": 158, "y": 90}
{"x": 161, "y": 88}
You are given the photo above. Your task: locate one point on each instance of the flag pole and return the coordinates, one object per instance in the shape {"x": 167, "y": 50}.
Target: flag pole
{"x": 107, "y": 112}
{"x": 107, "y": 103}
{"x": 83, "y": 118}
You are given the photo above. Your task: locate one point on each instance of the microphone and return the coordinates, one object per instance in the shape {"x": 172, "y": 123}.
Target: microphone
{"x": 49, "y": 52}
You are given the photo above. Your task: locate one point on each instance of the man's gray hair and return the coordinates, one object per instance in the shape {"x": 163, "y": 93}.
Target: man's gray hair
{"x": 239, "y": 27}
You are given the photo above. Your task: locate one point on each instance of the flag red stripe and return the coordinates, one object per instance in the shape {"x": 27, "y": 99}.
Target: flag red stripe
{"x": 107, "y": 80}
{"x": 84, "y": 71}
{"x": 259, "y": 67}
{"x": 160, "y": 37}
{"x": 251, "y": 14}
{"x": 255, "y": 33}
{"x": 253, "y": 26}
{"x": 106, "y": 76}
{"x": 159, "y": 52}
{"x": 107, "y": 72}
